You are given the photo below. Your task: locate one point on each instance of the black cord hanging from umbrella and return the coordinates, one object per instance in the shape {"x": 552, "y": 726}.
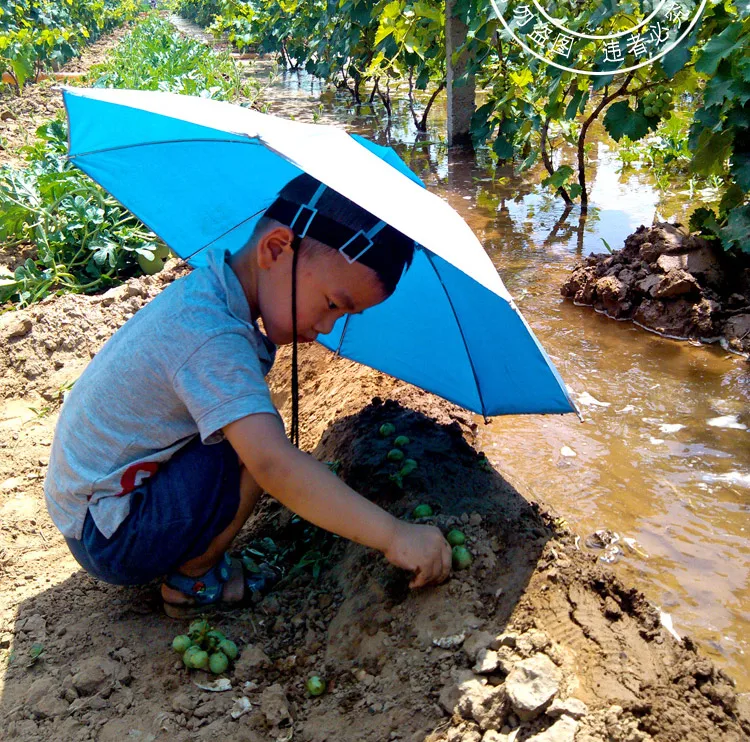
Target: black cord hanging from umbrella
{"x": 294, "y": 427}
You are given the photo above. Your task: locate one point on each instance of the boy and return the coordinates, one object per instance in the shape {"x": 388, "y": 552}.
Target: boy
{"x": 169, "y": 437}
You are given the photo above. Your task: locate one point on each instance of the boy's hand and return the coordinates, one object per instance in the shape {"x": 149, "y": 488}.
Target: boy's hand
{"x": 422, "y": 550}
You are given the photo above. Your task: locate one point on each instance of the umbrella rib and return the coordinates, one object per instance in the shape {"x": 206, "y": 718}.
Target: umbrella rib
{"x": 224, "y": 234}
{"x": 343, "y": 332}
{"x": 155, "y": 144}
{"x": 461, "y": 331}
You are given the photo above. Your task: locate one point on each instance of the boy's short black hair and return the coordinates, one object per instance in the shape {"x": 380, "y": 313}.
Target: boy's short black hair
{"x": 391, "y": 252}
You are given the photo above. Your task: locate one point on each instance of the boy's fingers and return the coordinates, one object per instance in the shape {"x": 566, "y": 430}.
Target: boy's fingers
{"x": 418, "y": 579}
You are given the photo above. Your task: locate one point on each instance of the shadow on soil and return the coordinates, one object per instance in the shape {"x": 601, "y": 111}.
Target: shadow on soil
{"x": 105, "y": 670}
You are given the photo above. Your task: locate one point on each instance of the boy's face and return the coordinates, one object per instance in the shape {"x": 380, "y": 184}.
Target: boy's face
{"x": 328, "y": 287}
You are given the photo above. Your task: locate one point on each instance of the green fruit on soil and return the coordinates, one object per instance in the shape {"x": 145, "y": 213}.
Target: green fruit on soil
{"x": 316, "y": 686}
{"x": 214, "y": 638}
{"x": 199, "y": 660}
{"x": 395, "y": 454}
{"x": 149, "y": 267}
{"x": 229, "y": 648}
{"x": 422, "y": 511}
{"x": 199, "y": 627}
{"x": 181, "y": 642}
{"x": 401, "y": 441}
{"x": 408, "y": 467}
{"x": 387, "y": 429}
{"x": 455, "y": 538}
{"x": 188, "y": 654}
{"x": 218, "y": 663}
{"x": 461, "y": 557}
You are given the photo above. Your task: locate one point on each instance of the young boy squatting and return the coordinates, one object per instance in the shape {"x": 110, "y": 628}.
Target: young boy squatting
{"x": 169, "y": 437}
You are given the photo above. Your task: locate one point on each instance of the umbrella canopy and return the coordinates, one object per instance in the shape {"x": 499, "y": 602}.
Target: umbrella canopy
{"x": 200, "y": 173}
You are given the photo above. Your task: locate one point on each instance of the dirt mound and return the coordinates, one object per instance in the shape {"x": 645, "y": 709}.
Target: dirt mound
{"x": 671, "y": 282}
{"x": 49, "y": 344}
{"x": 534, "y": 641}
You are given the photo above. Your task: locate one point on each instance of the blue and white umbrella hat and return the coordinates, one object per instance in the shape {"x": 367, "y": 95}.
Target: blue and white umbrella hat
{"x": 200, "y": 172}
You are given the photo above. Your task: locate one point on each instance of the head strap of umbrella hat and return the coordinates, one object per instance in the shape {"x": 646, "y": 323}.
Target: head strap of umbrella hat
{"x": 306, "y": 221}
{"x": 312, "y": 209}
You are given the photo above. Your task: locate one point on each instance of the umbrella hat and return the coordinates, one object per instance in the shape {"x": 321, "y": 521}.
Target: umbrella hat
{"x": 200, "y": 173}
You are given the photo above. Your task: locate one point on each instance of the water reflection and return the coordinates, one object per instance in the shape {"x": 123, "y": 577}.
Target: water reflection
{"x": 682, "y": 493}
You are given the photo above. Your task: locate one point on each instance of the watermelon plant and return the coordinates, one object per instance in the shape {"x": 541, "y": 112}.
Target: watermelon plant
{"x": 82, "y": 239}
{"x": 36, "y": 35}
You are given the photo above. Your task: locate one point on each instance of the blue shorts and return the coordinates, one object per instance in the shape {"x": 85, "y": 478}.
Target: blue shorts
{"x": 174, "y": 516}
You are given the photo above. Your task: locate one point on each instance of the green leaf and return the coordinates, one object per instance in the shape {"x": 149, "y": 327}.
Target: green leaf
{"x": 711, "y": 152}
{"x": 575, "y": 103}
{"x": 719, "y": 48}
{"x": 559, "y": 177}
{"x": 737, "y": 231}
{"x": 740, "y": 169}
{"x": 673, "y": 62}
{"x": 503, "y": 148}
{"x": 621, "y": 120}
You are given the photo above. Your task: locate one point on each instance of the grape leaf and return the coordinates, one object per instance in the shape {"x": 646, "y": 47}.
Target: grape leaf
{"x": 621, "y": 120}
{"x": 719, "y": 48}
{"x": 737, "y": 231}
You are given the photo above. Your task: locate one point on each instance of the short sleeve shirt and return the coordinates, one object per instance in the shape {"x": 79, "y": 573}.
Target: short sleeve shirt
{"x": 188, "y": 363}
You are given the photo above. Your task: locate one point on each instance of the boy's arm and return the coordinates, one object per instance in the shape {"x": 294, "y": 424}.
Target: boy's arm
{"x": 308, "y": 488}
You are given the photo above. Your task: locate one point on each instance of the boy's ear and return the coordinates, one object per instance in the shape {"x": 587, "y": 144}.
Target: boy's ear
{"x": 273, "y": 244}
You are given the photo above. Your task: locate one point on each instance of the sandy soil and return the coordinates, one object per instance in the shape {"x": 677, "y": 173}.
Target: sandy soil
{"x": 442, "y": 664}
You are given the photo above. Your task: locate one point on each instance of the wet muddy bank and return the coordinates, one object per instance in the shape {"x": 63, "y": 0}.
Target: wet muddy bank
{"x": 671, "y": 282}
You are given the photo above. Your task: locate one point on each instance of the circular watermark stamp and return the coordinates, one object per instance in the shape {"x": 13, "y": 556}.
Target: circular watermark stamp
{"x": 603, "y": 38}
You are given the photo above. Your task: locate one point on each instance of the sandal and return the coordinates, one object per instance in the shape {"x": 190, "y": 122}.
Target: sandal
{"x": 208, "y": 589}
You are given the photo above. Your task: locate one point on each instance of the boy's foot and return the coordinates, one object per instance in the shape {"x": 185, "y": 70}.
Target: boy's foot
{"x": 226, "y": 585}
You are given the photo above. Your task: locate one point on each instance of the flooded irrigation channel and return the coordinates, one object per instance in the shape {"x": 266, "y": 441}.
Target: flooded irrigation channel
{"x": 662, "y": 457}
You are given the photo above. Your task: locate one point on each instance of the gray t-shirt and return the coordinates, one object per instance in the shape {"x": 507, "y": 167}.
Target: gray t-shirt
{"x": 190, "y": 362}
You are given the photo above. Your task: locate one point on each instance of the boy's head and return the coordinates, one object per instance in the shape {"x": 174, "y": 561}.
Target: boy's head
{"x": 330, "y": 282}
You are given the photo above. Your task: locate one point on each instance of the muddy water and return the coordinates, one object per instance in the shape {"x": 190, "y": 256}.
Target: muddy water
{"x": 646, "y": 462}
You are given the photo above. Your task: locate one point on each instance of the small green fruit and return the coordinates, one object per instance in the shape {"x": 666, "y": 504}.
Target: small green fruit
{"x": 149, "y": 267}
{"x": 229, "y": 648}
{"x": 387, "y": 429}
{"x": 395, "y": 454}
{"x": 199, "y": 660}
{"x": 200, "y": 627}
{"x": 648, "y": 111}
{"x": 214, "y": 638}
{"x": 461, "y": 557}
{"x": 181, "y": 643}
{"x": 422, "y": 511}
{"x": 408, "y": 467}
{"x": 218, "y": 663}
{"x": 401, "y": 441}
{"x": 188, "y": 654}
{"x": 455, "y": 538}
{"x": 316, "y": 686}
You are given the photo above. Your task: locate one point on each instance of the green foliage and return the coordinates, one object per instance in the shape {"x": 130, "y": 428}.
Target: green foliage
{"x": 85, "y": 240}
{"x": 348, "y": 42}
{"x": 720, "y": 133}
{"x": 155, "y": 56}
{"x": 38, "y": 34}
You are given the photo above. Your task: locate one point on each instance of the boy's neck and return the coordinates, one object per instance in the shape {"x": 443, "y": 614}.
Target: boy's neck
{"x": 245, "y": 265}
